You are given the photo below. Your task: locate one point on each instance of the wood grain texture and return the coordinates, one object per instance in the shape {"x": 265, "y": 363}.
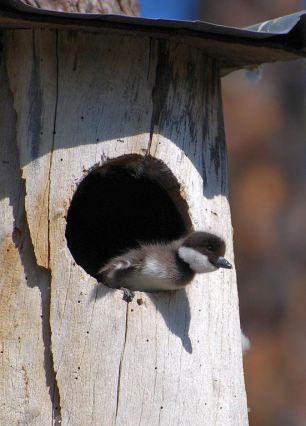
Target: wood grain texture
{"x": 188, "y": 357}
{"x": 175, "y": 358}
{"x": 26, "y": 380}
{"x": 31, "y": 62}
{"x": 232, "y": 52}
{"x": 99, "y": 116}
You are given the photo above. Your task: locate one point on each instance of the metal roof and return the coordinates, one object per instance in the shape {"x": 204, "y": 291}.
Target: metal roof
{"x": 278, "y": 39}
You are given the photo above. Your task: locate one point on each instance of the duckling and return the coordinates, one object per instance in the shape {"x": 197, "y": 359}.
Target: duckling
{"x": 165, "y": 266}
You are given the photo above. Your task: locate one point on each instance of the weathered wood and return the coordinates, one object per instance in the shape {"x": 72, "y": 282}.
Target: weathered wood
{"x": 100, "y": 116}
{"x": 175, "y": 359}
{"x": 191, "y": 121}
{"x": 232, "y": 52}
{"x": 26, "y": 379}
{"x": 31, "y": 61}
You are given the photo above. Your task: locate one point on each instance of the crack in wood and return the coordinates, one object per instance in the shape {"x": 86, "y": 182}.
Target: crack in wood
{"x": 41, "y": 278}
{"x": 121, "y": 360}
{"x": 53, "y": 139}
{"x": 56, "y": 415}
{"x": 163, "y": 74}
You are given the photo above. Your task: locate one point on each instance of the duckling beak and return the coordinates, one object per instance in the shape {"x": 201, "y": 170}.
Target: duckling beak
{"x": 223, "y": 263}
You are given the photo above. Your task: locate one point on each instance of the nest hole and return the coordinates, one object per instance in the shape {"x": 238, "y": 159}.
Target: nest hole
{"x": 128, "y": 200}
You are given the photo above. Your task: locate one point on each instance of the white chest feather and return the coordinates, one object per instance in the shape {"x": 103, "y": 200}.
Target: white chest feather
{"x": 198, "y": 262}
{"x": 153, "y": 267}
{"x": 152, "y": 277}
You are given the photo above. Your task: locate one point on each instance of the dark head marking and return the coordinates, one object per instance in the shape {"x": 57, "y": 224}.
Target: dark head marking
{"x": 209, "y": 244}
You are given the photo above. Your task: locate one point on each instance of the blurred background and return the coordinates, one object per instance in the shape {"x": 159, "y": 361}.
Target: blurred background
{"x": 266, "y": 139}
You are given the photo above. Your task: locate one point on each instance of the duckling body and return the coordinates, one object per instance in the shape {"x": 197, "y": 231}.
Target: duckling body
{"x": 165, "y": 266}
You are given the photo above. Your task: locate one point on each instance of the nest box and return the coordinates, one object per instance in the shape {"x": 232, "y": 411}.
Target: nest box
{"x": 112, "y": 132}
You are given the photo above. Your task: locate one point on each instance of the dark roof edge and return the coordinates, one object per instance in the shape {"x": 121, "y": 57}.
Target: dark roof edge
{"x": 275, "y": 27}
{"x": 280, "y": 39}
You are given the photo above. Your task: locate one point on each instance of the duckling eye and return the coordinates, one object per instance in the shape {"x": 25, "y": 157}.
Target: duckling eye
{"x": 210, "y": 247}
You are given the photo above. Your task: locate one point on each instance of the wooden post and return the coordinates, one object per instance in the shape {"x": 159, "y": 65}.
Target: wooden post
{"x": 73, "y": 101}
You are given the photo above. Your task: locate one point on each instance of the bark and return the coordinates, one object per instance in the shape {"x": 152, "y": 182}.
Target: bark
{"x": 123, "y": 7}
